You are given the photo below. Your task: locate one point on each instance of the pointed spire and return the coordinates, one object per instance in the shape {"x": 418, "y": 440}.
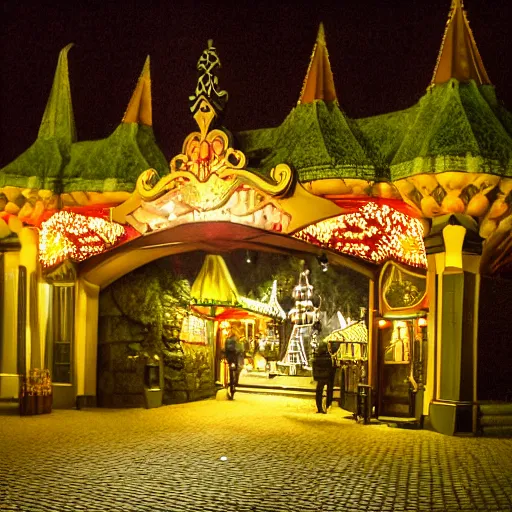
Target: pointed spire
{"x": 319, "y": 82}
{"x": 58, "y": 120}
{"x": 459, "y": 57}
{"x": 139, "y": 108}
{"x": 214, "y": 282}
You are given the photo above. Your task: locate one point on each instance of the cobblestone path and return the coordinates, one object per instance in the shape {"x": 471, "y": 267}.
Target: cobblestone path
{"x": 280, "y": 457}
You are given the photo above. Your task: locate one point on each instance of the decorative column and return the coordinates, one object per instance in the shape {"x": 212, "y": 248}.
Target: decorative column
{"x": 28, "y": 308}
{"x": 60, "y": 344}
{"x": 453, "y": 247}
{"x": 86, "y": 339}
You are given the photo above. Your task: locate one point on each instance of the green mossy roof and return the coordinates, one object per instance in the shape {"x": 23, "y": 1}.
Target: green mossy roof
{"x": 504, "y": 116}
{"x": 41, "y": 164}
{"x": 256, "y": 143}
{"x": 114, "y": 163}
{"x": 38, "y": 167}
{"x": 452, "y": 121}
{"x": 106, "y": 165}
{"x": 58, "y": 119}
{"x": 58, "y": 163}
{"x": 384, "y": 134}
{"x": 317, "y": 140}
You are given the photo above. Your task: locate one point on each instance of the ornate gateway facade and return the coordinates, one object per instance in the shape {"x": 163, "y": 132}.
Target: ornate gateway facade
{"x": 418, "y": 201}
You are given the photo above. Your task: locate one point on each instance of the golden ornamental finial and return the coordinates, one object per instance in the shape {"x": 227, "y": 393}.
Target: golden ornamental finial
{"x": 207, "y": 102}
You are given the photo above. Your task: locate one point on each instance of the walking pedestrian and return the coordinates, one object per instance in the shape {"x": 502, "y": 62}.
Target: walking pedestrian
{"x": 323, "y": 374}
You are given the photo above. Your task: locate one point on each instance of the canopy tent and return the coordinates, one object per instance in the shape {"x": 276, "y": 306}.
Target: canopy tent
{"x": 214, "y": 295}
{"x": 353, "y": 342}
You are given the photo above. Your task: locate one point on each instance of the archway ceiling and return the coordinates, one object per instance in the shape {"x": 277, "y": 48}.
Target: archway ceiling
{"x": 210, "y": 237}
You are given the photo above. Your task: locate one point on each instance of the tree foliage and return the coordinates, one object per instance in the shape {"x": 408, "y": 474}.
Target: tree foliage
{"x": 339, "y": 288}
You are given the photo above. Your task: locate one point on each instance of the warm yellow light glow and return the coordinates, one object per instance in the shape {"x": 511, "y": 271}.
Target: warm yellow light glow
{"x": 69, "y": 235}
{"x": 375, "y": 233}
{"x": 422, "y": 322}
{"x": 383, "y": 323}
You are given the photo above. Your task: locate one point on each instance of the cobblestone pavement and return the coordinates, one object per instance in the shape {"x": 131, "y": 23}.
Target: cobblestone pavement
{"x": 280, "y": 457}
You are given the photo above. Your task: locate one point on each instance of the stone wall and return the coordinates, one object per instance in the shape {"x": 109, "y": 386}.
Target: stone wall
{"x": 188, "y": 373}
{"x": 139, "y": 323}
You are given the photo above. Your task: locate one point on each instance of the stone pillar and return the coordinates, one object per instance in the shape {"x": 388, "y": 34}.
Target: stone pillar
{"x": 457, "y": 282}
{"x": 29, "y": 239}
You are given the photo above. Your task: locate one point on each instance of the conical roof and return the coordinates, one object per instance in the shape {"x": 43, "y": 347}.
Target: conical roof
{"x": 58, "y": 120}
{"x": 139, "y": 108}
{"x": 319, "y": 82}
{"x": 214, "y": 293}
{"x": 214, "y": 284}
{"x": 459, "y": 57}
{"x": 56, "y": 162}
{"x": 458, "y": 124}
{"x": 317, "y": 139}
{"x": 40, "y": 166}
{"x": 115, "y": 163}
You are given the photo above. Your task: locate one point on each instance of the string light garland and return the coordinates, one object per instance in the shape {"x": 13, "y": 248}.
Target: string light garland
{"x": 70, "y": 235}
{"x": 375, "y": 233}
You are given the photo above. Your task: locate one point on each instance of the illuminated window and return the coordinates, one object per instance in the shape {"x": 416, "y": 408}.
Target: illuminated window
{"x": 399, "y": 348}
{"x": 193, "y": 330}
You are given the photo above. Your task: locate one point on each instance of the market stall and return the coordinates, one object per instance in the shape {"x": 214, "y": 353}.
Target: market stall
{"x": 254, "y": 323}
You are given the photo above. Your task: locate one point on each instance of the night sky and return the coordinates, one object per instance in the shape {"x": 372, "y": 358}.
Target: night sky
{"x": 382, "y": 53}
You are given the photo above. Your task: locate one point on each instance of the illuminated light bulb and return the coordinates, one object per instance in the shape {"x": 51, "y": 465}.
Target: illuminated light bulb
{"x": 422, "y": 322}
{"x": 374, "y": 233}
{"x": 383, "y": 323}
{"x": 68, "y": 235}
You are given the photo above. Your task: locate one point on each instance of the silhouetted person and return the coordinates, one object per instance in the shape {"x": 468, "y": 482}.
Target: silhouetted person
{"x": 323, "y": 374}
{"x": 234, "y": 353}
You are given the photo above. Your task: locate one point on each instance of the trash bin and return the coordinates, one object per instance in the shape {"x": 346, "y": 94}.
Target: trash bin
{"x": 152, "y": 376}
{"x": 153, "y": 388}
{"x": 364, "y": 402}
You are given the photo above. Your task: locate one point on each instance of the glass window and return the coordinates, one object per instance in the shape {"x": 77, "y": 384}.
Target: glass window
{"x": 62, "y": 333}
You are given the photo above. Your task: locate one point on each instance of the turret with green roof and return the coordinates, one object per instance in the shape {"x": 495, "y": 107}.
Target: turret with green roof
{"x": 115, "y": 163}
{"x": 58, "y": 163}
{"x": 316, "y": 139}
{"x": 40, "y": 166}
{"x": 458, "y": 124}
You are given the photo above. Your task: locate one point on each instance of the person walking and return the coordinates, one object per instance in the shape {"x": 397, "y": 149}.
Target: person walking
{"x": 234, "y": 354}
{"x": 323, "y": 372}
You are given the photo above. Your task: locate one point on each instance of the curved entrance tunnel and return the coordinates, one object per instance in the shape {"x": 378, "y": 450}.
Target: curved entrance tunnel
{"x": 280, "y": 456}
{"x": 163, "y": 327}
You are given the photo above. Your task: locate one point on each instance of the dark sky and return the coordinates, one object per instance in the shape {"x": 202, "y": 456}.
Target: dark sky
{"x": 382, "y": 54}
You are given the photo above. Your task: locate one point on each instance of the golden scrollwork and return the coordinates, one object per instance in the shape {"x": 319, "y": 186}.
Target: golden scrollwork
{"x": 204, "y": 155}
{"x": 209, "y": 174}
{"x": 281, "y": 175}
{"x": 149, "y": 187}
